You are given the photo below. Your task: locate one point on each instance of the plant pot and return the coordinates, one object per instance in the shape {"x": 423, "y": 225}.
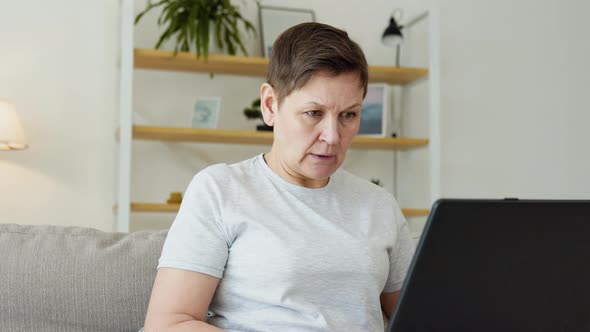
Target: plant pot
{"x": 264, "y": 127}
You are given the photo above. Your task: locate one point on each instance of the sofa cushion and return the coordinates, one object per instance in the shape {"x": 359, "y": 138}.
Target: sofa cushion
{"x": 56, "y": 278}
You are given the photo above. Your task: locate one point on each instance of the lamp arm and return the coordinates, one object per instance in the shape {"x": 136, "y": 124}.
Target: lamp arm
{"x": 416, "y": 20}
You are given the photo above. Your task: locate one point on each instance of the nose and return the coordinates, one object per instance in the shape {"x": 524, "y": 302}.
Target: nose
{"x": 330, "y": 133}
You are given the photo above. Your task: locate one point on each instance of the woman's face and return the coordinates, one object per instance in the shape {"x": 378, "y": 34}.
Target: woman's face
{"x": 313, "y": 127}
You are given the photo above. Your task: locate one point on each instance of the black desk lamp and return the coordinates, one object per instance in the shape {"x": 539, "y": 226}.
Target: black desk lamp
{"x": 392, "y": 36}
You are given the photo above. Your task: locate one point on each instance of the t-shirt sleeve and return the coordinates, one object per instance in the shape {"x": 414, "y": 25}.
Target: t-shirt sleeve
{"x": 196, "y": 240}
{"x": 401, "y": 254}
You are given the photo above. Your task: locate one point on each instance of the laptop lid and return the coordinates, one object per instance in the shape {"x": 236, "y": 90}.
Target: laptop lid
{"x": 499, "y": 265}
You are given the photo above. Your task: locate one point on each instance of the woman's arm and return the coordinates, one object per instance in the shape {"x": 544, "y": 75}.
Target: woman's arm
{"x": 388, "y": 302}
{"x": 180, "y": 300}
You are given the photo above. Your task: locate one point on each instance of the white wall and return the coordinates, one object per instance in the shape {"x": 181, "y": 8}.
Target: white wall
{"x": 513, "y": 109}
{"x": 57, "y": 64}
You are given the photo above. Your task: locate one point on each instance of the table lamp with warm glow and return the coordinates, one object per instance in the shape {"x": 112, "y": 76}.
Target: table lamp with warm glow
{"x": 12, "y": 136}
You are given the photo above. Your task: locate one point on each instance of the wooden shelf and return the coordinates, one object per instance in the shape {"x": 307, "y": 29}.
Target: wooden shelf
{"x": 172, "y": 134}
{"x": 388, "y": 143}
{"x": 416, "y": 212}
{"x": 163, "y": 207}
{"x": 187, "y": 61}
{"x": 396, "y": 75}
{"x": 251, "y": 66}
{"x": 154, "y": 207}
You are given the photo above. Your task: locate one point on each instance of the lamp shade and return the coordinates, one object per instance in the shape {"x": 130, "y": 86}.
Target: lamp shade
{"x": 392, "y": 35}
{"x": 12, "y": 136}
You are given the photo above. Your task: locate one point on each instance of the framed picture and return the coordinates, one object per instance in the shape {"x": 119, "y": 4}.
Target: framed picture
{"x": 375, "y": 114}
{"x": 206, "y": 112}
{"x": 274, "y": 20}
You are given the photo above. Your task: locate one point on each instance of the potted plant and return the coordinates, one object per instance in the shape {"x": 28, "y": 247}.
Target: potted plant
{"x": 193, "y": 22}
{"x": 253, "y": 112}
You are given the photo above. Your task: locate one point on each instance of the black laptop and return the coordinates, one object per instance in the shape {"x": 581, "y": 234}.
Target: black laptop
{"x": 499, "y": 265}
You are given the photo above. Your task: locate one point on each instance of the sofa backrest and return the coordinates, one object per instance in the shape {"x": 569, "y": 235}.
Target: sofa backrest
{"x": 56, "y": 278}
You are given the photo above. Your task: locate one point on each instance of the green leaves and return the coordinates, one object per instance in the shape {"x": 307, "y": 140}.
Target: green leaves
{"x": 193, "y": 22}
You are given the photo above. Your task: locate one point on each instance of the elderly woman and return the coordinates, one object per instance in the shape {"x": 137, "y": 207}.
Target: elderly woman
{"x": 288, "y": 241}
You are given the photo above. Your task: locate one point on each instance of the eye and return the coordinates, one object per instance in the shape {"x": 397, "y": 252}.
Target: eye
{"x": 349, "y": 115}
{"x": 313, "y": 114}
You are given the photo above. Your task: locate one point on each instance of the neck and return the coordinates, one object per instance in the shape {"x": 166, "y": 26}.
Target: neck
{"x": 289, "y": 175}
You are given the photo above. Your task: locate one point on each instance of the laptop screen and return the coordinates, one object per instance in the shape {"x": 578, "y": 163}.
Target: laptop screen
{"x": 500, "y": 265}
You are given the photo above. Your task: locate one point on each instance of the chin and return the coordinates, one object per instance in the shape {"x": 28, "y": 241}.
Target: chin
{"x": 321, "y": 175}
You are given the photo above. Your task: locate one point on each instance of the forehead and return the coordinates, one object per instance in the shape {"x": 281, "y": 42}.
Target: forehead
{"x": 325, "y": 85}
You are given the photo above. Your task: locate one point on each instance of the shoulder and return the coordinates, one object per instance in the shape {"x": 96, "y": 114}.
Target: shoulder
{"x": 225, "y": 180}
{"x": 371, "y": 196}
{"x": 224, "y": 172}
{"x": 358, "y": 186}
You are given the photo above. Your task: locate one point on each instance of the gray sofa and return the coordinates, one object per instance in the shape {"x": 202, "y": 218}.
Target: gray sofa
{"x": 55, "y": 278}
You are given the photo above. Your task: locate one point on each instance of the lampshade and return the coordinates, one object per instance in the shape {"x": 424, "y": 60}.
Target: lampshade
{"x": 392, "y": 36}
{"x": 12, "y": 136}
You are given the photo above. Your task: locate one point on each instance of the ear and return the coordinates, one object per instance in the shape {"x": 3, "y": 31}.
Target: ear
{"x": 268, "y": 104}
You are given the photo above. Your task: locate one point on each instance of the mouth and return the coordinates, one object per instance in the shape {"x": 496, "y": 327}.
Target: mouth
{"x": 323, "y": 156}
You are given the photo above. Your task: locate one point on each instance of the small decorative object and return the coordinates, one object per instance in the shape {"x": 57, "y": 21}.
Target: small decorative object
{"x": 377, "y": 182}
{"x": 253, "y": 112}
{"x": 274, "y": 20}
{"x": 375, "y": 112}
{"x": 193, "y": 23}
{"x": 206, "y": 112}
{"x": 175, "y": 198}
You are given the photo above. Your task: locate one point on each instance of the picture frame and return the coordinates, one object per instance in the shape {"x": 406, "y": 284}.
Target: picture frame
{"x": 376, "y": 111}
{"x": 205, "y": 112}
{"x": 274, "y": 20}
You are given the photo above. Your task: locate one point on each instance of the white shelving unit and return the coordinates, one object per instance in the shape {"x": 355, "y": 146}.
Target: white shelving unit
{"x": 131, "y": 58}
{"x": 123, "y": 172}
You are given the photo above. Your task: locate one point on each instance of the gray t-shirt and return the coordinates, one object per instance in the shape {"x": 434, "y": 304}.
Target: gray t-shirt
{"x": 291, "y": 258}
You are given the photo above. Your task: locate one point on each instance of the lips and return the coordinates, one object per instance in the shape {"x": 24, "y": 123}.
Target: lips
{"x": 323, "y": 156}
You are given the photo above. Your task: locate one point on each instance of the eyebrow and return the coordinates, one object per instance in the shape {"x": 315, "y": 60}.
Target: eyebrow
{"x": 319, "y": 105}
